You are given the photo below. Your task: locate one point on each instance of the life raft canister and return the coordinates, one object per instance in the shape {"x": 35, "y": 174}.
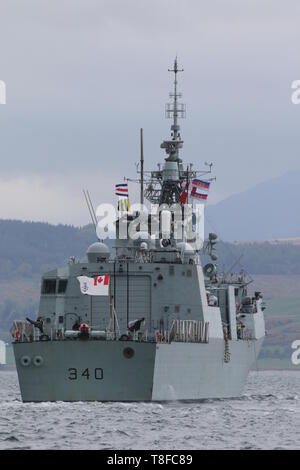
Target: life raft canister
{"x": 84, "y": 331}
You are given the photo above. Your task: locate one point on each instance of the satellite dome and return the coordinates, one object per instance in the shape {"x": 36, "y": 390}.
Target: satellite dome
{"x": 98, "y": 252}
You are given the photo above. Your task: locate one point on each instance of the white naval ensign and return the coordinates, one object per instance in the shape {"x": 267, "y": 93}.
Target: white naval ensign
{"x": 97, "y": 285}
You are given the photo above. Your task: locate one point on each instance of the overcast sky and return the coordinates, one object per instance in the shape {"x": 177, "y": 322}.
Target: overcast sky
{"x": 83, "y": 76}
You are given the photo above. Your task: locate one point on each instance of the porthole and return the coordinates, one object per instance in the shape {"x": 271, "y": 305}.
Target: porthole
{"x": 128, "y": 353}
{"x": 25, "y": 361}
{"x": 38, "y": 361}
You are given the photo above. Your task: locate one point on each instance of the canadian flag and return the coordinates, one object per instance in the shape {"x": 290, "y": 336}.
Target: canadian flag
{"x": 97, "y": 285}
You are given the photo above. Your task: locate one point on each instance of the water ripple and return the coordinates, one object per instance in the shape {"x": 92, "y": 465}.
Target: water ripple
{"x": 267, "y": 416}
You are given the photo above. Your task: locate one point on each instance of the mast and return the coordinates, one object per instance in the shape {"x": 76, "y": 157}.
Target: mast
{"x": 175, "y": 126}
{"x": 174, "y": 110}
{"x": 171, "y": 190}
{"x": 142, "y": 169}
{"x": 164, "y": 186}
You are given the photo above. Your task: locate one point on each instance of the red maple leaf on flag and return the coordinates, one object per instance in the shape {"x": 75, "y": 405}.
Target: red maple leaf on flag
{"x": 99, "y": 279}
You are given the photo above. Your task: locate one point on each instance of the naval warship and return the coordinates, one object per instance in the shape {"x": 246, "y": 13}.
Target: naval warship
{"x": 163, "y": 327}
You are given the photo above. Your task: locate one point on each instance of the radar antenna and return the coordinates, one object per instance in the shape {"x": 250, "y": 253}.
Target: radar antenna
{"x": 165, "y": 185}
{"x": 174, "y": 110}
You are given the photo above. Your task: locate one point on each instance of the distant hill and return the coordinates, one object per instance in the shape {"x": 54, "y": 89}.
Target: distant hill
{"x": 28, "y": 249}
{"x": 31, "y": 248}
{"x": 260, "y": 258}
{"x": 267, "y": 211}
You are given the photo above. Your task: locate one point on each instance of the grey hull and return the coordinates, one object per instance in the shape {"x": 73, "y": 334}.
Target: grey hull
{"x": 102, "y": 370}
{"x": 85, "y": 371}
{"x": 198, "y": 371}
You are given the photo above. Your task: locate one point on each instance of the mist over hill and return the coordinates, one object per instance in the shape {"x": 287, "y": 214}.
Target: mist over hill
{"x": 267, "y": 211}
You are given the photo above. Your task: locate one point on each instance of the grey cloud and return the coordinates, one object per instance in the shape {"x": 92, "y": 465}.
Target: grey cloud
{"x": 83, "y": 76}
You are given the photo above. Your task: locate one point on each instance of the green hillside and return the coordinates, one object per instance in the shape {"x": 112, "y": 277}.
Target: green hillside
{"x": 31, "y": 248}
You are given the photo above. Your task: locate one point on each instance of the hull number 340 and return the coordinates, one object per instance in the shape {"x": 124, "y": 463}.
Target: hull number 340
{"x": 94, "y": 374}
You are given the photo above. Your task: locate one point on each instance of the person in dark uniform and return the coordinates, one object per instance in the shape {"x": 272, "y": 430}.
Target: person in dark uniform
{"x": 76, "y": 326}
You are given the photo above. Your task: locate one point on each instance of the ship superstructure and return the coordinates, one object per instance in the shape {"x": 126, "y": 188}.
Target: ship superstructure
{"x": 167, "y": 329}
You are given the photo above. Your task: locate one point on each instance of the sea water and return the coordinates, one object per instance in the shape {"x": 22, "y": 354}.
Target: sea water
{"x": 267, "y": 416}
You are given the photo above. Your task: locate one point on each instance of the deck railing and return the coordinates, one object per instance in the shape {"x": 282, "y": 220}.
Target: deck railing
{"x": 189, "y": 331}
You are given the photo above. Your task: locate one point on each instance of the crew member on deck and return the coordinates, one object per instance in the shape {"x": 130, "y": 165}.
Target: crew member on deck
{"x": 76, "y": 325}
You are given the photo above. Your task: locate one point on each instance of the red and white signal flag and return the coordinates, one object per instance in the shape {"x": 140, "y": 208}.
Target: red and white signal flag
{"x": 97, "y": 285}
{"x": 203, "y": 186}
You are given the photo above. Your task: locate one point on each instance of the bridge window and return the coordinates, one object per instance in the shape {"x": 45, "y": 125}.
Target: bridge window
{"x": 62, "y": 286}
{"x": 49, "y": 286}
